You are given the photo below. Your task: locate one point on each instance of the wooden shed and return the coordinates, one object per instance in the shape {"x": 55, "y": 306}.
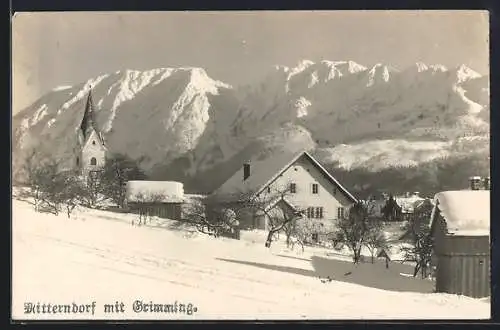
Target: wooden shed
{"x": 460, "y": 226}
{"x": 163, "y": 199}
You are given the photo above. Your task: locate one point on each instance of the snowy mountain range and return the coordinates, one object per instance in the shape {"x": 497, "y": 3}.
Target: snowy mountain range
{"x": 182, "y": 124}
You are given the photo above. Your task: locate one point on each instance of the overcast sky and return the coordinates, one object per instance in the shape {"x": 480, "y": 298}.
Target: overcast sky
{"x": 52, "y": 49}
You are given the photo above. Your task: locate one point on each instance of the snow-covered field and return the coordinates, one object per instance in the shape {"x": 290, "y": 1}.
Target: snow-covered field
{"x": 99, "y": 256}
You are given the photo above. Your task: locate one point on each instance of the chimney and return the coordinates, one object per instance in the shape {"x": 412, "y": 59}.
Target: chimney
{"x": 475, "y": 183}
{"x": 487, "y": 182}
{"x": 246, "y": 171}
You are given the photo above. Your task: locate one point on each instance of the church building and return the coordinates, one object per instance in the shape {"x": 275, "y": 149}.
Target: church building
{"x": 91, "y": 149}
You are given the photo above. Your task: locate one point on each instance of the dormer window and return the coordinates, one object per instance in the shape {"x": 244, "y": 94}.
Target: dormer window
{"x": 93, "y": 161}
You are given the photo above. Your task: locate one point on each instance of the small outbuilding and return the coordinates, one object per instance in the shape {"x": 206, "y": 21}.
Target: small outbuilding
{"x": 460, "y": 227}
{"x": 163, "y": 199}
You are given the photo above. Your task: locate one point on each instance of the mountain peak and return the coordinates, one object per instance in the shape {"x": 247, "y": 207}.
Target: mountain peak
{"x": 200, "y": 79}
{"x": 421, "y": 66}
{"x": 465, "y": 73}
{"x": 438, "y": 67}
{"x": 356, "y": 67}
{"x": 379, "y": 72}
{"x": 343, "y": 67}
{"x": 300, "y": 67}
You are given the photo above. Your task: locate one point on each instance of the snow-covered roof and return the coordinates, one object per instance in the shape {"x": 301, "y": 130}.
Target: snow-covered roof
{"x": 155, "y": 191}
{"x": 408, "y": 204}
{"x": 264, "y": 172}
{"x": 466, "y": 212}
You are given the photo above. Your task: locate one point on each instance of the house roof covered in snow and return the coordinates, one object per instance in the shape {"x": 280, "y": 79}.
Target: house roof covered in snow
{"x": 155, "y": 191}
{"x": 408, "y": 204}
{"x": 265, "y": 172}
{"x": 466, "y": 212}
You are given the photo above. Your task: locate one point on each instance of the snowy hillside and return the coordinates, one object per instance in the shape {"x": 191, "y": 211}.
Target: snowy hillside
{"x": 98, "y": 256}
{"x": 365, "y": 117}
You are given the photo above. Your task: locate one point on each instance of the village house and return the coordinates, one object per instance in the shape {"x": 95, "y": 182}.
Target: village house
{"x": 460, "y": 228}
{"x": 479, "y": 183}
{"x": 91, "y": 150}
{"x": 408, "y": 202}
{"x": 163, "y": 199}
{"x": 310, "y": 190}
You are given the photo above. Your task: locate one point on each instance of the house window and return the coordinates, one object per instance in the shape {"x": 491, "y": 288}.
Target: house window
{"x": 93, "y": 161}
{"x": 77, "y": 161}
{"x": 315, "y": 212}
{"x": 269, "y": 189}
{"x": 310, "y": 212}
{"x": 340, "y": 212}
{"x": 293, "y": 188}
{"x": 315, "y": 188}
{"x": 319, "y": 213}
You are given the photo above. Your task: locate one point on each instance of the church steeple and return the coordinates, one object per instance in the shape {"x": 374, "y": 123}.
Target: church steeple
{"x": 88, "y": 121}
{"x": 91, "y": 153}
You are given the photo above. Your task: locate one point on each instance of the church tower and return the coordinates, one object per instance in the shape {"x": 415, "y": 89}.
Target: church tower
{"x": 91, "y": 153}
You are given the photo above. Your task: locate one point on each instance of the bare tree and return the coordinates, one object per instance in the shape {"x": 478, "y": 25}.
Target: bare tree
{"x": 31, "y": 174}
{"x": 50, "y": 185}
{"x": 93, "y": 189}
{"x": 420, "y": 251}
{"x": 302, "y": 232}
{"x": 376, "y": 239}
{"x": 210, "y": 216}
{"x": 355, "y": 229}
{"x": 276, "y": 209}
{"x": 73, "y": 192}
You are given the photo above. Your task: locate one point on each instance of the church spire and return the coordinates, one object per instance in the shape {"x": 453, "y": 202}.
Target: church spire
{"x": 88, "y": 116}
{"x": 88, "y": 121}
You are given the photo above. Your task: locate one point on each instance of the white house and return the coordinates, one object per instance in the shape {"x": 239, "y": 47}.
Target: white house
{"x": 91, "y": 149}
{"x": 310, "y": 189}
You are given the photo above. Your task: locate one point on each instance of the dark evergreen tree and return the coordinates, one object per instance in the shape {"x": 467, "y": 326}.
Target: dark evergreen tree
{"x": 391, "y": 210}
